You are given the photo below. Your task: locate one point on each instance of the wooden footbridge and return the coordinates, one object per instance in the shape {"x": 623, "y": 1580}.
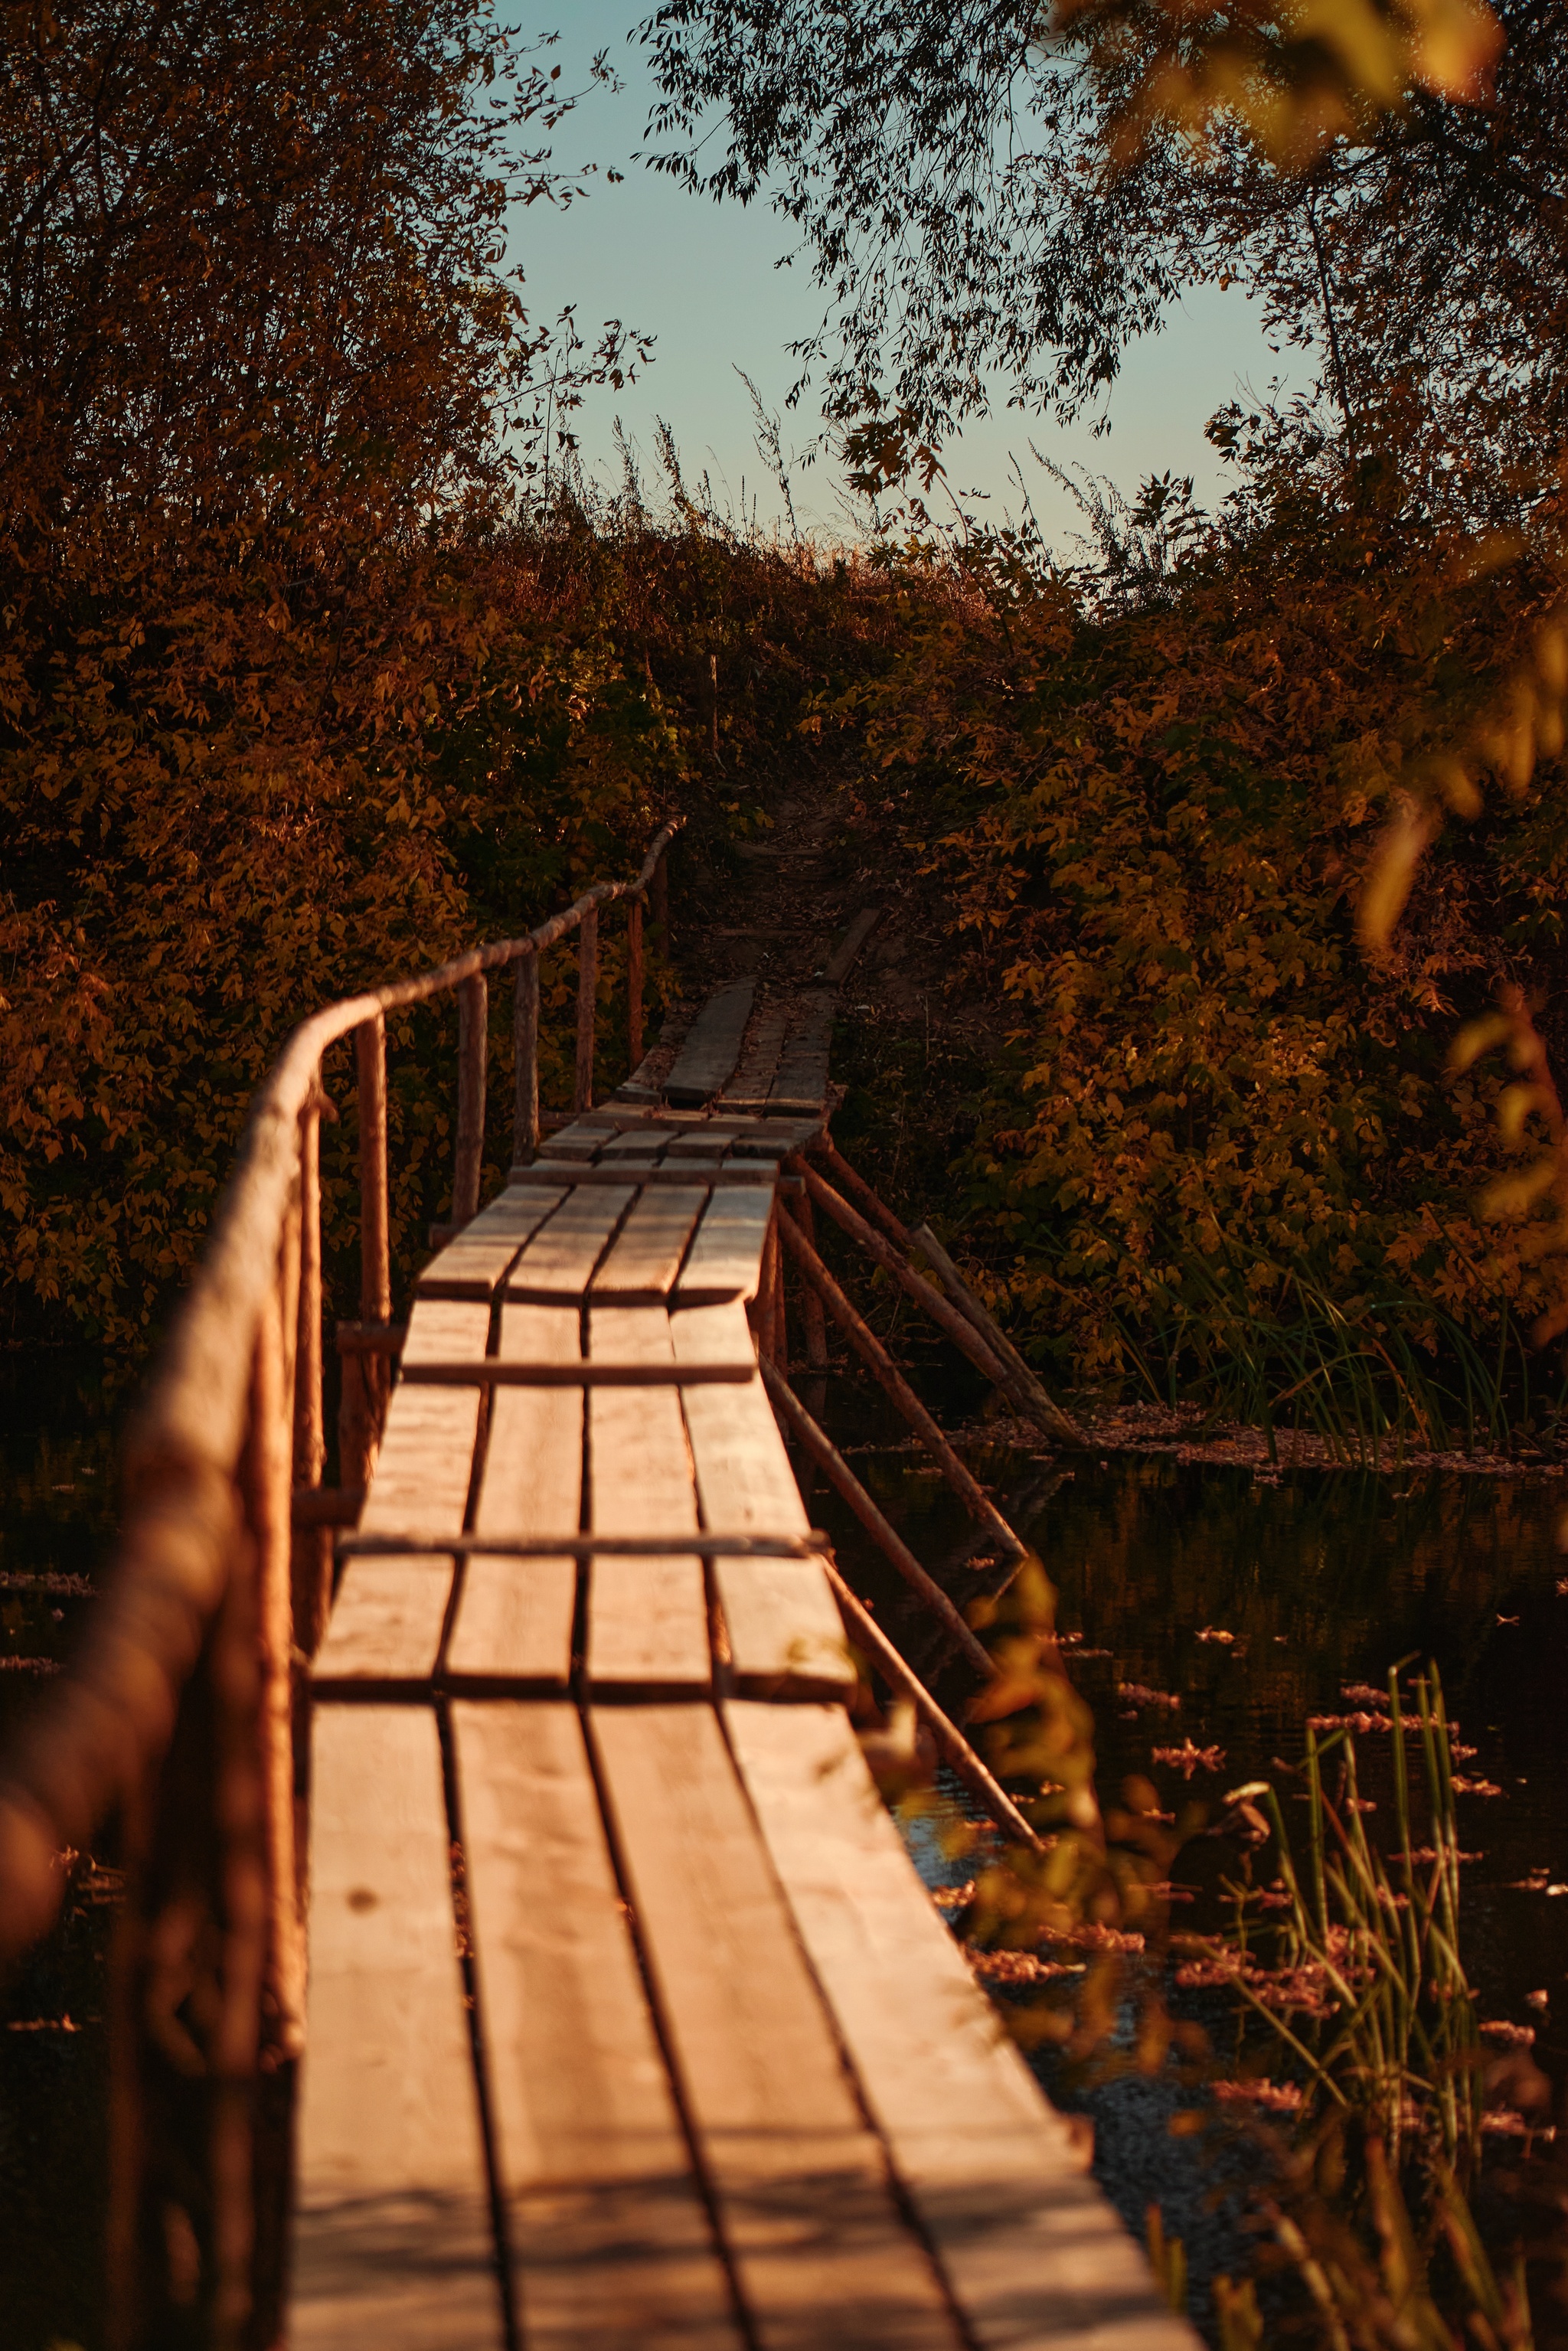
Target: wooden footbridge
{"x": 518, "y": 1951}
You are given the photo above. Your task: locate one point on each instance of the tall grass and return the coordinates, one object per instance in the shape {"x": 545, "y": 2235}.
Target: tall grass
{"x": 1366, "y": 1947}
{"x": 1374, "y": 1376}
{"x": 1364, "y": 1988}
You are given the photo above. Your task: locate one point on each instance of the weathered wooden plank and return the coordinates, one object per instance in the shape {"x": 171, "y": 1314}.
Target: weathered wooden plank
{"x": 609, "y": 2232}
{"x": 824, "y": 2260}
{"x": 769, "y": 1137}
{"x": 474, "y": 1264}
{"x": 393, "y": 2243}
{"x": 712, "y": 1045}
{"x": 700, "y": 1145}
{"x": 583, "y": 1139}
{"x": 645, "y": 1256}
{"x": 760, "y": 1054}
{"x": 785, "y": 1634}
{"x": 514, "y": 1618}
{"x": 802, "y": 1073}
{"x": 725, "y": 1259}
{"x": 1036, "y": 2259}
{"x": 387, "y": 1619}
{"x": 647, "y": 1618}
{"x": 836, "y": 968}
{"x": 644, "y": 1141}
{"x": 558, "y": 1262}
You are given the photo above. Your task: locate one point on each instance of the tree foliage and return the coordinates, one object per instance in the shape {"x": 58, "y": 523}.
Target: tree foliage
{"x": 990, "y": 202}
{"x": 1213, "y": 1118}
{"x": 259, "y": 348}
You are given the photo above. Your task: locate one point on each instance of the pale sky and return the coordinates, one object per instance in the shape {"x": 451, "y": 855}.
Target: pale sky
{"x": 702, "y": 278}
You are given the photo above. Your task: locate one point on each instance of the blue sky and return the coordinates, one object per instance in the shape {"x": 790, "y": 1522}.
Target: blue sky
{"x": 702, "y": 278}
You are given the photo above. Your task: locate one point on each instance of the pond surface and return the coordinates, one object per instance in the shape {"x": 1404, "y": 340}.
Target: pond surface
{"x": 1322, "y": 1580}
{"x": 58, "y": 1431}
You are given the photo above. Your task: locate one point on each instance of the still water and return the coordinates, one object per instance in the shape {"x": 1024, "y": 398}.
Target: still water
{"x": 57, "y": 1460}
{"x": 1322, "y": 1580}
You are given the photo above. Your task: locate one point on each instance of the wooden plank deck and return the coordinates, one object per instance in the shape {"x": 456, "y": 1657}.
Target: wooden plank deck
{"x": 630, "y": 2022}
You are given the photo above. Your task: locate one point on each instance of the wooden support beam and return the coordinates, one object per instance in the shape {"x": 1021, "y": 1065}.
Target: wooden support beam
{"x": 811, "y": 1312}
{"x": 867, "y": 1634}
{"x": 312, "y": 1555}
{"x": 967, "y": 1488}
{"x": 956, "y": 1325}
{"x": 634, "y": 982}
{"x": 363, "y": 1399}
{"x": 659, "y": 905}
{"x": 822, "y": 1144}
{"x": 587, "y": 1007}
{"x": 1027, "y": 1389}
{"x": 473, "y": 1056}
{"x": 831, "y": 1462}
{"x": 375, "y": 1260}
{"x": 526, "y": 1061}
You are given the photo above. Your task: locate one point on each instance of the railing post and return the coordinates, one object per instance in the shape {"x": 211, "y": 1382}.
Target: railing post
{"x": 312, "y": 1545}
{"x": 765, "y": 1309}
{"x": 634, "y": 979}
{"x": 310, "y": 1415}
{"x": 659, "y": 905}
{"x": 587, "y": 1006}
{"x": 375, "y": 1260}
{"x": 526, "y": 1060}
{"x": 472, "y": 1054}
{"x": 812, "y": 1313}
{"x": 365, "y": 1377}
{"x": 268, "y": 1499}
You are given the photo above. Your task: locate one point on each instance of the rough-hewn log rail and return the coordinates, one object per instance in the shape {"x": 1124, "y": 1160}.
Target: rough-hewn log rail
{"x": 186, "y": 1494}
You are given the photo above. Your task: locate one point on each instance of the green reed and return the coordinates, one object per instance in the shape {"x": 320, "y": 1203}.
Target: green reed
{"x": 1371, "y": 1376}
{"x": 1367, "y": 1946}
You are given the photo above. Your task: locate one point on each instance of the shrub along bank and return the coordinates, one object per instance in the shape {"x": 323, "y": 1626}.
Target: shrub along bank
{"x": 1215, "y": 1149}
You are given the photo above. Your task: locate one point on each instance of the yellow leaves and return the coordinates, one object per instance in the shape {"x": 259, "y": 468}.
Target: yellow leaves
{"x": 1296, "y": 74}
{"x": 1391, "y": 873}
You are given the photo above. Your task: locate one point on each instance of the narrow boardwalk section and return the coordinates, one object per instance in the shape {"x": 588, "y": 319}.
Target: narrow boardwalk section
{"x": 630, "y": 2020}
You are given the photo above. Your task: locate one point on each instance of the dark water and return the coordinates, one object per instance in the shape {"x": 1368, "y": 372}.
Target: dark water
{"x": 1323, "y": 1579}
{"x": 56, "y": 1440}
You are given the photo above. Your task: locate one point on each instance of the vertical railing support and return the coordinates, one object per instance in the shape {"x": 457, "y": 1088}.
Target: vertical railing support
{"x": 269, "y": 1498}
{"x": 765, "y": 1309}
{"x": 375, "y": 1257}
{"x": 659, "y": 906}
{"x": 526, "y": 1061}
{"x": 812, "y": 1313}
{"x": 365, "y": 1377}
{"x": 473, "y": 1058}
{"x": 312, "y": 1545}
{"x": 634, "y": 980}
{"x": 587, "y": 1006}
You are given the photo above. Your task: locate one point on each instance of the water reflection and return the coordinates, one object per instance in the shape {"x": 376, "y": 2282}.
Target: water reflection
{"x": 1255, "y": 1604}
{"x": 57, "y": 1421}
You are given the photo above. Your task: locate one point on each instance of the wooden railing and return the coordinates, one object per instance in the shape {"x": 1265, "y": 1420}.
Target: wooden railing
{"x": 178, "y": 1714}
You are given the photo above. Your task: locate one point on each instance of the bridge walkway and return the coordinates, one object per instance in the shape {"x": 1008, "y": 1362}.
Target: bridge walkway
{"x": 629, "y": 2020}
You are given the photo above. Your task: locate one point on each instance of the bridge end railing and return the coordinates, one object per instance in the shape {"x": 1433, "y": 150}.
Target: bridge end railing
{"x": 180, "y": 1712}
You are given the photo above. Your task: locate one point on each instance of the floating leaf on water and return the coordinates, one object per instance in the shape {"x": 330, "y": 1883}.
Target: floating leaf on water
{"x": 1186, "y": 1759}
{"x": 1277, "y": 2097}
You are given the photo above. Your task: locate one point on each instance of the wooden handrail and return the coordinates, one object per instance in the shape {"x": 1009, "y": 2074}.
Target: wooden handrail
{"x": 188, "y": 1520}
